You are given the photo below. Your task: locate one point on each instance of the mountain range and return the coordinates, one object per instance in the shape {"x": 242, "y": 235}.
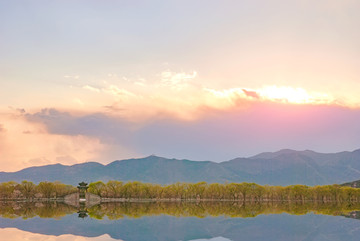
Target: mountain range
{"x": 285, "y": 167}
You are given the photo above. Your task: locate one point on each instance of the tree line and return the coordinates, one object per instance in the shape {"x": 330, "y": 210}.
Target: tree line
{"x": 122, "y": 191}
{"x": 229, "y": 191}
{"x": 29, "y": 190}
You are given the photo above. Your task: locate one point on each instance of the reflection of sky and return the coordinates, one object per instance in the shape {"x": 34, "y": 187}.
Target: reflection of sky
{"x": 273, "y": 227}
{"x": 13, "y": 234}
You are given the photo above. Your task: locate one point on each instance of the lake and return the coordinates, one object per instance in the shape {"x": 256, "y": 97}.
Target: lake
{"x": 215, "y": 221}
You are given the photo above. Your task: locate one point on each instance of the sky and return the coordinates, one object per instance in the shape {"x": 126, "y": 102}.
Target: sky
{"x": 190, "y": 79}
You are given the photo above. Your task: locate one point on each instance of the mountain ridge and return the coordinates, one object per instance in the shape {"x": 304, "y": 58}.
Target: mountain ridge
{"x": 284, "y": 167}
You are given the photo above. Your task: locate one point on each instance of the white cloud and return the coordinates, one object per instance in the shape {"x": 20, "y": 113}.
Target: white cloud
{"x": 71, "y": 76}
{"x": 142, "y": 84}
{"x": 115, "y": 90}
{"x": 177, "y": 81}
{"x": 79, "y": 102}
{"x": 91, "y": 88}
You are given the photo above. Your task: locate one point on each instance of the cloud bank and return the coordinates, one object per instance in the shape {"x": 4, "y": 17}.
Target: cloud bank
{"x": 217, "y": 135}
{"x": 179, "y": 117}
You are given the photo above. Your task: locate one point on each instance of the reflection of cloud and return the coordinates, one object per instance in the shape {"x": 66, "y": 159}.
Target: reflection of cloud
{"x": 11, "y": 234}
{"x": 212, "y": 239}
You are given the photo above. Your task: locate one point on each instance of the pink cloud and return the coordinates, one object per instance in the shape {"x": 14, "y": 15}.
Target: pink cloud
{"x": 219, "y": 134}
{"x": 250, "y": 93}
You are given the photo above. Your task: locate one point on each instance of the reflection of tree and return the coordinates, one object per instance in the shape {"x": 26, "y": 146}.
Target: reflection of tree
{"x": 27, "y": 210}
{"x": 118, "y": 210}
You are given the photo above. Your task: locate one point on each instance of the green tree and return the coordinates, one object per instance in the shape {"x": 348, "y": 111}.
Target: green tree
{"x": 28, "y": 189}
{"x": 97, "y": 188}
{"x": 47, "y": 189}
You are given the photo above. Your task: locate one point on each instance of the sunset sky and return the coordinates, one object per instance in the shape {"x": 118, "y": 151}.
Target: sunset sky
{"x": 211, "y": 80}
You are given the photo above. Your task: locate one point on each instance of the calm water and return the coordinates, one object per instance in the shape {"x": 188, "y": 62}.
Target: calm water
{"x": 178, "y": 221}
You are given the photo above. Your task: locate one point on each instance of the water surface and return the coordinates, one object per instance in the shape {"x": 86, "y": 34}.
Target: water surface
{"x": 178, "y": 221}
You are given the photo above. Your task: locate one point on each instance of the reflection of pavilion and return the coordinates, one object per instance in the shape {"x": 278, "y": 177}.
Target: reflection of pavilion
{"x": 82, "y": 210}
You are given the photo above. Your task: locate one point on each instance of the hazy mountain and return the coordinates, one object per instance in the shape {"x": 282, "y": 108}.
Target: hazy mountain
{"x": 284, "y": 167}
{"x": 352, "y": 184}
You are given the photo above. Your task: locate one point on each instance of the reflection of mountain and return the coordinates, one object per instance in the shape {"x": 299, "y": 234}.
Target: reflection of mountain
{"x": 280, "y": 168}
{"x": 212, "y": 239}
{"x": 263, "y": 227}
{"x": 353, "y": 214}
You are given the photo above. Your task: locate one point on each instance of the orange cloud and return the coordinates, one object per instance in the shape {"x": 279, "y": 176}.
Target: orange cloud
{"x": 110, "y": 119}
{"x": 2, "y": 129}
{"x": 279, "y": 94}
{"x": 25, "y": 144}
{"x": 183, "y": 95}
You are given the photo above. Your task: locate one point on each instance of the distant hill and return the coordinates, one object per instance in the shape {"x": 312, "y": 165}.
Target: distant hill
{"x": 285, "y": 167}
{"x": 352, "y": 184}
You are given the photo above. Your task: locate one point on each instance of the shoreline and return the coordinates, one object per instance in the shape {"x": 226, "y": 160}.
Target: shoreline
{"x": 165, "y": 200}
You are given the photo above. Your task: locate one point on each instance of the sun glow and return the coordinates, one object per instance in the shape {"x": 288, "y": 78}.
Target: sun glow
{"x": 282, "y": 94}
{"x": 286, "y": 94}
